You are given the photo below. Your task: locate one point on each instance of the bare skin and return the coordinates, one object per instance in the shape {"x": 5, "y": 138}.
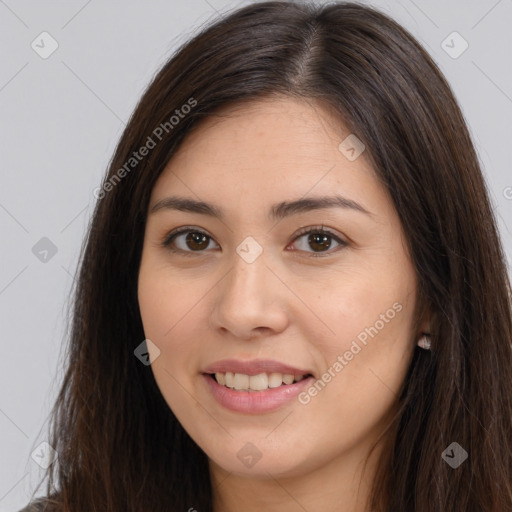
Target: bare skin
{"x": 207, "y": 303}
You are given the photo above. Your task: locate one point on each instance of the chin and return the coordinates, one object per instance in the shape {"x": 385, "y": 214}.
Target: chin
{"x": 259, "y": 460}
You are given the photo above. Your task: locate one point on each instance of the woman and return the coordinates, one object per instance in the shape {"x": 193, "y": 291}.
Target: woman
{"x": 292, "y": 294}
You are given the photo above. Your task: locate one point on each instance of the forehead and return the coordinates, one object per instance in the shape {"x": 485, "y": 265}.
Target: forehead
{"x": 279, "y": 129}
{"x": 271, "y": 149}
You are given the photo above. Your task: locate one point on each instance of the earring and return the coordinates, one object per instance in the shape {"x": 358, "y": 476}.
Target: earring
{"x": 424, "y": 341}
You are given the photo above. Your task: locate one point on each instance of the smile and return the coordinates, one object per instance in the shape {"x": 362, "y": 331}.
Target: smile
{"x": 260, "y": 382}
{"x": 276, "y": 390}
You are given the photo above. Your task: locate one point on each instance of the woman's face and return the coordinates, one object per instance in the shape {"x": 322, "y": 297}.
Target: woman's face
{"x": 245, "y": 292}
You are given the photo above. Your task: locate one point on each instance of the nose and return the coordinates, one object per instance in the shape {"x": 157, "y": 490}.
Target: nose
{"x": 250, "y": 300}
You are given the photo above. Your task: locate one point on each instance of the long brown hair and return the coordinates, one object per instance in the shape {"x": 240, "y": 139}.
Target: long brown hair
{"x": 120, "y": 447}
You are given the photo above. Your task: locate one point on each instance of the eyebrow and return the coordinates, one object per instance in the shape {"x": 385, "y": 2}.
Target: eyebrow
{"x": 278, "y": 211}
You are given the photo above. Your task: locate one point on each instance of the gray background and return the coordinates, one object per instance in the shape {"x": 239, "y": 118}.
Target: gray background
{"x": 62, "y": 116}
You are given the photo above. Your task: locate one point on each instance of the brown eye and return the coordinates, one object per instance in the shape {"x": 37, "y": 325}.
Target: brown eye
{"x": 320, "y": 240}
{"x": 188, "y": 241}
{"x": 194, "y": 241}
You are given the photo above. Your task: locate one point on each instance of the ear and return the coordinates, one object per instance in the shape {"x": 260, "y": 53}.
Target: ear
{"x": 425, "y": 324}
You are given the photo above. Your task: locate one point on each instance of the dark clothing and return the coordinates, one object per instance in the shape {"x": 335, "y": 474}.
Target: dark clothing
{"x": 37, "y": 505}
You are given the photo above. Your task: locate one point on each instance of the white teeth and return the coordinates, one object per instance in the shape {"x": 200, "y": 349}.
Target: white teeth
{"x": 241, "y": 381}
{"x": 229, "y": 379}
{"x": 275, "y": 380}
{"x": 260, "y": 382}
{"x": 288, "y": 379}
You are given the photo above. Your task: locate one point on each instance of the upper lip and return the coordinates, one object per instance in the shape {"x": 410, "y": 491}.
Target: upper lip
{"x": 254, "y": 367}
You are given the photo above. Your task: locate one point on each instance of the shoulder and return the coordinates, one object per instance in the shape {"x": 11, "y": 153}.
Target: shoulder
{"x": 38, "y": 505}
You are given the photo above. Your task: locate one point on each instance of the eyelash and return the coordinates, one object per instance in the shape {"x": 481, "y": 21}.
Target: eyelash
{"x": 169, "y": 238}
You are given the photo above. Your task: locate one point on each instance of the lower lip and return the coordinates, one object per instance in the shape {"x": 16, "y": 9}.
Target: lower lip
{"x": 256, "y": 401}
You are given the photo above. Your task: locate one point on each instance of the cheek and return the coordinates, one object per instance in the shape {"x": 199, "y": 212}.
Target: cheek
{"x": 354, "y": 303}
{"x": 163, "y": 315}
{"x": 168, "y": 311}
{"x": 371, "y": 317}
{"x": 153, "y": 303}
{"x": 161, "y": 299}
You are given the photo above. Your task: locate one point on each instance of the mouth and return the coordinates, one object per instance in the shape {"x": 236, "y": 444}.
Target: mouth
{"x": 256, "y": 383}
{"x": 235, "y": 391}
